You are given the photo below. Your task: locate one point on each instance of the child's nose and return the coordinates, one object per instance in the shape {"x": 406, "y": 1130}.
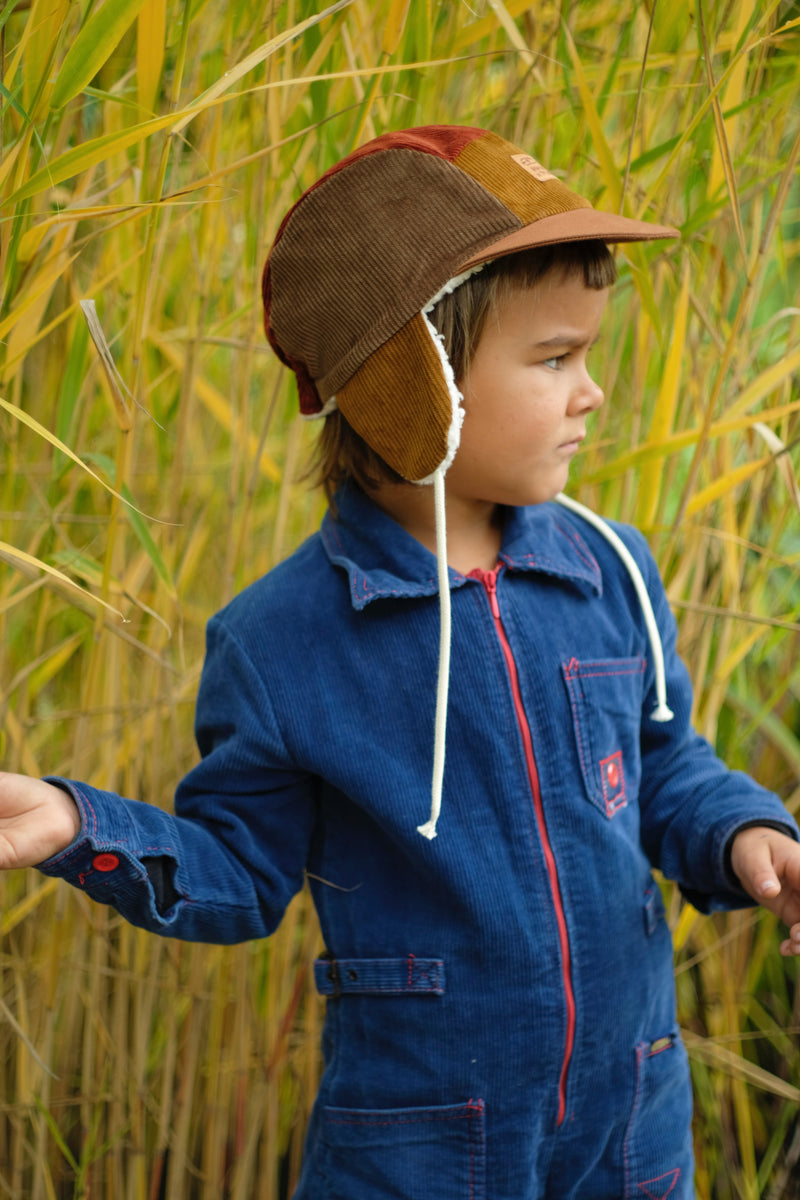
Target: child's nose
{"x": 588, "y": 395}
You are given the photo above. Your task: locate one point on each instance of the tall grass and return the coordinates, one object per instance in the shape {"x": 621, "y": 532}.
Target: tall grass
{"x": 149, "y": 149}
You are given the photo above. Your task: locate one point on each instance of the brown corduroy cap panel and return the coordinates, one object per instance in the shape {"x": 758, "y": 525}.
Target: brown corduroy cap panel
{"x": 529, "y": 190}
{"x": 410, "y": 424}
{"x": 351, "y": 265}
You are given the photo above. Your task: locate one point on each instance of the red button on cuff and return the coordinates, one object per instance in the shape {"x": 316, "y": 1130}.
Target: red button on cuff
{"x": 105, "y": 862}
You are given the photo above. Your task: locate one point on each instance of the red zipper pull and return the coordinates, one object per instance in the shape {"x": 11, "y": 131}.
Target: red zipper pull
{"x": 490, "y": 583}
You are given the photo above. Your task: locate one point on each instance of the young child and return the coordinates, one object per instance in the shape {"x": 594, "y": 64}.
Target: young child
{"x": 501, "y": 1017}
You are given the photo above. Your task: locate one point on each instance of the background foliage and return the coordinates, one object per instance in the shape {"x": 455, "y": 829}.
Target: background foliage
{"x": 149, "y": 149}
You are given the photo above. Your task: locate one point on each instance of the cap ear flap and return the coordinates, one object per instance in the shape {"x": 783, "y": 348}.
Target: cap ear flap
{"x": 402, "y": 403}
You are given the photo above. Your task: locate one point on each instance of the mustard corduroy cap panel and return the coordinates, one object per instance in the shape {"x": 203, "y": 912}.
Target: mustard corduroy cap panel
{"x": 399, "y": 400}
{"x": 527, "y": 188}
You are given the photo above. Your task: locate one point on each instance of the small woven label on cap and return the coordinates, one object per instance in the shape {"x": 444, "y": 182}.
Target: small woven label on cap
{"x": 533, "y": 167}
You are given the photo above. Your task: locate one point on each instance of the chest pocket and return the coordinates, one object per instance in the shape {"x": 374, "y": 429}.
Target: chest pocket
{"x": 606, "y": 701}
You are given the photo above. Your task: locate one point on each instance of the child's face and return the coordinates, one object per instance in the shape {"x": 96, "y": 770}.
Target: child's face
{"x": 528, "y": 393}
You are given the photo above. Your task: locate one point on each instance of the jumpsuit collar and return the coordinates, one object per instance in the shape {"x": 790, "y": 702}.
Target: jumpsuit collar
{"x": 383, "y": 561}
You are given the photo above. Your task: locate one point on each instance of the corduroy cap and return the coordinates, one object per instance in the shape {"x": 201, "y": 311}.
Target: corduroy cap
{"x": 368, "y": 247}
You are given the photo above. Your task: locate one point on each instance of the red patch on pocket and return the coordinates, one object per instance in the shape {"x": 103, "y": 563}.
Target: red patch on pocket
{"x": 613, "y": 780}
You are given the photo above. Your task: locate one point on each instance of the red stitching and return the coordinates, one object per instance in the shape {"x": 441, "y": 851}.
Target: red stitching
{"x": 459, "y": 1116}
{"x": 579, "y": 738}
{"x": 608, "y": 674}
{"x": 365, "y": 592}
{"x": 636, "y": 1097}
{"x": 583, "y": 552}
{"x": 675, "y": 1173}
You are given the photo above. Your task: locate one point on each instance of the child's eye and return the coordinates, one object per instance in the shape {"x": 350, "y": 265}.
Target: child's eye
{"x": 555, "y": 362}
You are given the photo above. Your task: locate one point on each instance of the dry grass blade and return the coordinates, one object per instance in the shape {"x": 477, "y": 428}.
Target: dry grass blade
{"x": 8, "y": 1016}
{"x": 116, "y": 383}
{"x": 738, "y": 1067}
{"x": 722, "y": 137}
{"x": 782, "y": 460}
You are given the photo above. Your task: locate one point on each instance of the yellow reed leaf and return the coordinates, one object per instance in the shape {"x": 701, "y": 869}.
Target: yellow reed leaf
{"x": 686, "y": 922}
{"x": 765, "y": 383}
{"x": 220, "y": 408}
{"x": 39, "y": 287}
{"x": 667, "y": 399}
{"x": 476, "y": 30}
{"x": 727, "y": 483}
{"x": 723, "y": 152}
{"x": 676, "y": 442}
{"x": 31, "y": 241}
{"x": 608, "y": 167}
{"x": 257, "y": 57}
{"x": 728, "y": 525}
{"x": 734, "y": 94}
{"x": 739, "y": 653}
{"x": 150, "y": 38}
{"x": 395, "y": 24}
{"x": 14, "y": 915}
{"x": 26, "y": 419}
{"x": 664, "y": 410}
{"x": 687, "y": 133}
{"x": 513, "y": 34}
{"x": 18, "y": 151}
{"x": 96, "y": 42}
{"x": 45, "y": 21}
{"x": 48, "y": 669}
{"x": 88, "y": 154}
{"x": 20, "y": 744}
{"x": 19, "y": 559}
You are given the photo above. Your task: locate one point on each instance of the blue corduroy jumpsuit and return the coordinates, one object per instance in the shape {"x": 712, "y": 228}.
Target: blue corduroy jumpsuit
{"x": 501, "y": 1017}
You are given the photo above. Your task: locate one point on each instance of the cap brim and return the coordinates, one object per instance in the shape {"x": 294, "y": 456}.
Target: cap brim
{"x": 578, "y": 225}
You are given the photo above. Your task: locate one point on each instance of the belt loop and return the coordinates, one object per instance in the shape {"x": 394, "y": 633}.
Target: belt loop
{"x": 332, "y": 973}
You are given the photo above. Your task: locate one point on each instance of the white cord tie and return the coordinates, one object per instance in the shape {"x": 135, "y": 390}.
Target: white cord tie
{"x": 428, "y": 830}
{"x": 662, "y": 711}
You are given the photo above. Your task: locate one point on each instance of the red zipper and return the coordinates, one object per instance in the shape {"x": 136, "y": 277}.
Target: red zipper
{"x": 489, "y": 581}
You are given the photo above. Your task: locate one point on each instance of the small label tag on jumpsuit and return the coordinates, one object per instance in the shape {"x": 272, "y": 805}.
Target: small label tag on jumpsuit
{"x": 613, "y": 780}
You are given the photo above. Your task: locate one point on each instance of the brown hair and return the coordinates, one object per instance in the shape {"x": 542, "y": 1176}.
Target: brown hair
{"x": 341, "y": 454}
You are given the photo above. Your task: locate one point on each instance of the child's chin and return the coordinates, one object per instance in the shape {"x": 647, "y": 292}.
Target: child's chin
{"x": 541, "y": 494}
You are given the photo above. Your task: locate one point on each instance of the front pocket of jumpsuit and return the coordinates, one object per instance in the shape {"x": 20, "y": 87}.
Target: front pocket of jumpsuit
{"x": 606, "y": 697}
{"x": 405, "y": 1153}
{"x": 658, "y": 1141}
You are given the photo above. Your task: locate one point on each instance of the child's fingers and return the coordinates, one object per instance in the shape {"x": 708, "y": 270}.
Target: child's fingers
{"x": 752, "y": 860}
{"x": 791, "y": 946}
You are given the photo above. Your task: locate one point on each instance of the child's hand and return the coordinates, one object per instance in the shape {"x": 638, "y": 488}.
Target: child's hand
{"x": 37, "y": 820}
{"x": 767, "y": 864}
